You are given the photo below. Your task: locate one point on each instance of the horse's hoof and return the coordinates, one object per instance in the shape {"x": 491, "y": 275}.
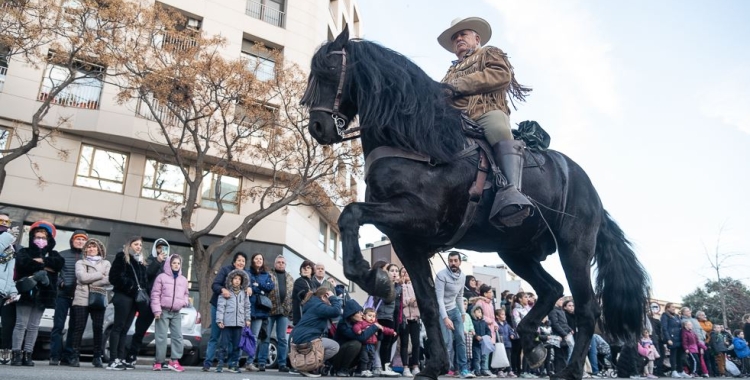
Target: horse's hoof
{"x": 380, "y": 285}
{"x": 536, "y": 356}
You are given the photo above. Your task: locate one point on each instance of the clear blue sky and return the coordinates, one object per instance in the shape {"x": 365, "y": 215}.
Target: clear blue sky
{"x": 652, "y": 99}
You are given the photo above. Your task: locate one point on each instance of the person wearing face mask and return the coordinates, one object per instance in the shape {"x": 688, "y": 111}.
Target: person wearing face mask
{"x": 8, "y": 291}
{"x": 39, "y": 256}
{"x": 128, "y": 274}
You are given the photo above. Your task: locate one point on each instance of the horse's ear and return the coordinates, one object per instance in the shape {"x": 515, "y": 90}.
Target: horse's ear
{"x": 341, "y": 40}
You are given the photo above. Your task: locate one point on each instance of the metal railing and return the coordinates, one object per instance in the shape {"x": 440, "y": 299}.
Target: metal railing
{"x": 263, "y": 12}
{"x": 74, "y": 95}
{"x": 162, "y": 112}
{"x": 176, "y": 41}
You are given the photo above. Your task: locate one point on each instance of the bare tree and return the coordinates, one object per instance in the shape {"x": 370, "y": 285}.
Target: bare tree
{"x": 219, "y": 119}
{"x": 66, "y": 39}
{"x": 719, "y": 260}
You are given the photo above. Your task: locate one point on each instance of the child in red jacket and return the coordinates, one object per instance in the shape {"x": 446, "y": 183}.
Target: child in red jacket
{"x": 367, "y": 355}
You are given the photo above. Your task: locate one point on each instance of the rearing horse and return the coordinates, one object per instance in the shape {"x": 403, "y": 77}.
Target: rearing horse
{"x": 420, "y": 205}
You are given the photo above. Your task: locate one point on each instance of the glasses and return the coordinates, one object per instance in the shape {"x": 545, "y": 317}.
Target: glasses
{"x": 5, "y": 222}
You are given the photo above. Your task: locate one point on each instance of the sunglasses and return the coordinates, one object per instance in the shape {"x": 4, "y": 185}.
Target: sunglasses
{"x": 5, "y": 222}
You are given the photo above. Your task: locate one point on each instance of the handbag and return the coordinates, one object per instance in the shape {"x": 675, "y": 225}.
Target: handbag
{"x": 499, "y": 357}
{"x": 97, "y": 297}
{"x": 262, "y": 302}
{"x": 142, "y": 296}
{"x": 307, "y": 357}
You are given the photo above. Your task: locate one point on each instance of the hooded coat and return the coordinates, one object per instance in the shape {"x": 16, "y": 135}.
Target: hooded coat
{"x": 42, "y": 295}
{"x": 345, "y": 327}
{"x": 235, "y": 310}
{"x": 91, "y": 274}
{"x": 7, "y": 265}
{"x": 169, "y": 292}
{"x": 154, "y": 267}
{"x": 68, "y": 276}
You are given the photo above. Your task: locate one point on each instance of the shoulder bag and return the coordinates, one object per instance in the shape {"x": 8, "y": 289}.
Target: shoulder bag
{"x": 142, "y": 297}
{"x": 97, "y": 296}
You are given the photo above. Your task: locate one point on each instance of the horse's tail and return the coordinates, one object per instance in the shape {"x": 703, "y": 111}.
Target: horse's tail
{"x": 622, "y": 285}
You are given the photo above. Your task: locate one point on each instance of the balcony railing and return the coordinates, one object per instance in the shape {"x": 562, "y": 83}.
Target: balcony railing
{"x": 161, "y": 111}
{"x": 3, "y": 71}
{"x": 74, "y": 96}
{"x": 263, "y": 12}
{"x": 174, "y": 41}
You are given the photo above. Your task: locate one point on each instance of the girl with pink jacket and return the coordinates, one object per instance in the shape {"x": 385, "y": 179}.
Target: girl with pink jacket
{"x": 168, "y": 296}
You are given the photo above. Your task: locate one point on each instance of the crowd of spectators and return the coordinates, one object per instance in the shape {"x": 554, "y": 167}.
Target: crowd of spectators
{"x": 376, "y": 339}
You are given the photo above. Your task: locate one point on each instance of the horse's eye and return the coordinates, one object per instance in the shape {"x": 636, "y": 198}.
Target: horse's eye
{"x": 332, "y": 68}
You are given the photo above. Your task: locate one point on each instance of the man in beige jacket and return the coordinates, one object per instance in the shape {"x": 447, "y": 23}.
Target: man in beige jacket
{"x": 481, "y": 77}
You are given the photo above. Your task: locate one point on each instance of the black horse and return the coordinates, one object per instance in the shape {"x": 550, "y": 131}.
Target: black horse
{"x": 420, "y": 205}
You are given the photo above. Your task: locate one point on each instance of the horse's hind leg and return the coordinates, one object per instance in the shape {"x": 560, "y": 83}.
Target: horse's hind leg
{"x": 548, "y": 291}
{"x": 576, "y": 261}
{"x": 416, "y": 262}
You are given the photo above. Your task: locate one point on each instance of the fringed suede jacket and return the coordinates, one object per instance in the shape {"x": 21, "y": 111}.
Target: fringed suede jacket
{"x": 481, "y": 80}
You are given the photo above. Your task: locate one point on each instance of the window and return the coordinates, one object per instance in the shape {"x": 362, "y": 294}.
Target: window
{"x": 164, "y": 182}
{"x": 332, "y": 244}
{"x": 323, "y": 236}
{"x": 101, "y": 169}
{"x": 259, "y": 61}
{"x": 256, "y": 122}
{"x": 5, "y": 134}
{"x": 270, "y": 11}
{"x": 3, "y": 66}
{"x": 184, "y": 36}
{"x": 229, "y": 192}
{"x": 85, "y": 90}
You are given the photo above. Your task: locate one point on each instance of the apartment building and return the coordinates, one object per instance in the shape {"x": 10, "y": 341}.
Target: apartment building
{"x": 102, "y": 132}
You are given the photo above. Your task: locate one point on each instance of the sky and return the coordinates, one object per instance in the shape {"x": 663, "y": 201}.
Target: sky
{"x": 651, "y": 99}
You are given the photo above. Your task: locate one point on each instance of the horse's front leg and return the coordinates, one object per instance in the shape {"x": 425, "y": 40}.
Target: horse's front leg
{"x": 356, "y": 268}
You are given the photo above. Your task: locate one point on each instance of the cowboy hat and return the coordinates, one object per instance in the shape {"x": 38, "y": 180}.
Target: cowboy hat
{"x": 476, "y": 24}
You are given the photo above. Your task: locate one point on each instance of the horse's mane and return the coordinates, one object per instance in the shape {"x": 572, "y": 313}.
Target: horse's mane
{"x": 399, "y": 104}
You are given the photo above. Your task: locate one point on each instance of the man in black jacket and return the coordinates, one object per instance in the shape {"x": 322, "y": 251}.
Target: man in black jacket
{"x": 67, "y": 287}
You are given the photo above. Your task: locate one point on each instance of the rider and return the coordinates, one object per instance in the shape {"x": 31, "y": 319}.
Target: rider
{"x": 480, "y": 79}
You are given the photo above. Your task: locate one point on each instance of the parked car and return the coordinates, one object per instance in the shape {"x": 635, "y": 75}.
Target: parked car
{"x": 191, "y": 335}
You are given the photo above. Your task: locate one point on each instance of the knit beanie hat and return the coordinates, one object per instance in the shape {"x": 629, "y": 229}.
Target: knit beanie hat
{"x": 51, "y": 230}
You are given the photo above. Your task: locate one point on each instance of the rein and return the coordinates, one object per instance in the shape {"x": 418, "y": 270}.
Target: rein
{"x": 340, "y": 120}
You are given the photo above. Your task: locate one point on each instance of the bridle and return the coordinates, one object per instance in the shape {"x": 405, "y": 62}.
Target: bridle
{"x": 339, "y": 119}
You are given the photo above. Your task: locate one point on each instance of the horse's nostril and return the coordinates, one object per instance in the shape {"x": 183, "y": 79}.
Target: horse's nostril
{"x": 318, "y": 128}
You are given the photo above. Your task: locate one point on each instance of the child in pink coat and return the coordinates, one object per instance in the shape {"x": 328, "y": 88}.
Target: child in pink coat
{"x": 693, "y": 347}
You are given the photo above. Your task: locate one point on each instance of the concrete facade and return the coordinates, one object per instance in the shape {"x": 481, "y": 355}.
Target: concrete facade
{"x": 297, "y": 30}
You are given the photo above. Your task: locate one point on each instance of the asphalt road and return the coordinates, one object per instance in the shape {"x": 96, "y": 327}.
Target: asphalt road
{"x": 87, "y": 372}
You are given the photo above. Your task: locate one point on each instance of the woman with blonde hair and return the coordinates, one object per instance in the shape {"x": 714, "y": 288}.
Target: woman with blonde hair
{"x": 92, "y": 274}
{"x": 127, "y": 276}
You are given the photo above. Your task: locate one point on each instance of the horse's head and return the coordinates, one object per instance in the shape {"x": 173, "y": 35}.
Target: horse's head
{"x": 331, "y": 107}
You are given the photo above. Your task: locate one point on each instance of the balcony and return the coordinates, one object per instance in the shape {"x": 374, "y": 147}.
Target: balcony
{"x": 176, "y": 41}
{"x": 162, "y": 112}
{"x": 261, "y": 11}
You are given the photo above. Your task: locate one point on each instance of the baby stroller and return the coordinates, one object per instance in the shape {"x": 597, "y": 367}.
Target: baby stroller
{"x": 606, "y": 368}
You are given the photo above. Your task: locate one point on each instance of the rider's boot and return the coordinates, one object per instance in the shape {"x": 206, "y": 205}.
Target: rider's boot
{"x": 510, "y": 207}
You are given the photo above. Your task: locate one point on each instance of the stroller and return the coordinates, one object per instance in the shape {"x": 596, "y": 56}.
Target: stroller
{"x": 606, "y": 368}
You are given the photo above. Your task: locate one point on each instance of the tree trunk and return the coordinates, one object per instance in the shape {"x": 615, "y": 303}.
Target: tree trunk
{"x": 202, "y": 268}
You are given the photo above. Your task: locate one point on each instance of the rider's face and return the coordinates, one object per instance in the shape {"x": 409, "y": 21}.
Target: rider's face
{"x": 463, "y": 41}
